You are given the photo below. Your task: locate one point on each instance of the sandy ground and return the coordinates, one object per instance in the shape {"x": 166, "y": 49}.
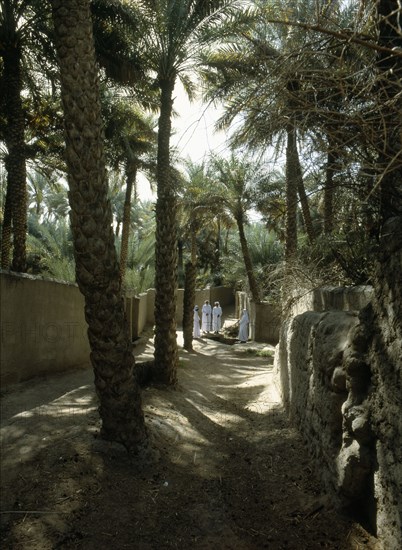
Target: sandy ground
{"x": 225, "y": 471}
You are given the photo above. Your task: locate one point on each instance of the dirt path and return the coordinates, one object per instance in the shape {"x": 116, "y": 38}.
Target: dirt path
{"x": 226, "y": 470}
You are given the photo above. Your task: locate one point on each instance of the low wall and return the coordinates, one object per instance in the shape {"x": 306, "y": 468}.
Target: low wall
{"x": 265, "y": 318}
{"x": 267, "y": 323}
{"x": 43, "y": 329}
{"x": 331, "y": 298}
{"x": 225, "y": 296}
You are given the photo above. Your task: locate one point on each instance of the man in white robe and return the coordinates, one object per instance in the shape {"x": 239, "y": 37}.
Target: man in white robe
{"x": 243, "y": 327}
{"x": 216, "y": 318}
{"x": 196, "y": 324}
{"x": 206, "y": 316}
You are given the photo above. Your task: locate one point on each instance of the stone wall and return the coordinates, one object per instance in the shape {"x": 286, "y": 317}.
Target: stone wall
{"x": 340, "y": 380}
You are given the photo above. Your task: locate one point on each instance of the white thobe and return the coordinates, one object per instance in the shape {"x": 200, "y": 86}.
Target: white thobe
{"x": 216, "y": 318}
{"x": 206, "y": 317}
{"x": 243, "y": 326}
{"x": 196, "y": 325}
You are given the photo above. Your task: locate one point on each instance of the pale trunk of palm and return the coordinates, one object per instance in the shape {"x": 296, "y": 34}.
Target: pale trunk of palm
{"x": 252, "y": 281}
{"x": 308, "y": 224}
{"x": 329, "y": 193}
{"x": 97, "y": 269}
{"x": 15, "y": 214}
{"x": 180, "y": 262}
{"x": 166, "y": 352}
{"x": 291, "y": 194}
{"x": 298, "y": 175}
{"x": 188, "y": 305}
{"x": 217, "y": 258}
{"x": 125, "y": 233}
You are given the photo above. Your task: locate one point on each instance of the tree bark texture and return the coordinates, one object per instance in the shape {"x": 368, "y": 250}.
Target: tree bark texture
{"x": 386, "y": 326}
{"x": 188, "y": 305}
{"x": 389, "y": 85}
{"x": 16, "y": 204}
{"x": 125, "y": 233}
{"x": 254, "y": 288}
{"x": 329, "y": 192}
{"x": 97, "y": 268}
{"x": 291, "y": 194}
{"x": 166, "y": 352}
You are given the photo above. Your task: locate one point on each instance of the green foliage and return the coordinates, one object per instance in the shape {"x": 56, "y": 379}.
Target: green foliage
{"x": 139, "y": 280}
{"x": 50, "y": 249}
{"x": 341, "y": 258}
{"x": 140, "y": 272}
{"x": 266, "y": 254}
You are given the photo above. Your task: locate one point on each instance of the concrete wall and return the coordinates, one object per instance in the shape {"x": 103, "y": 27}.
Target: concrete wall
{"x": 43, "y": 329}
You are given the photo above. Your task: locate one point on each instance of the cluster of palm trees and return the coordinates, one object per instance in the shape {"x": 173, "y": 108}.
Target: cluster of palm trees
{"x": 309, "y": 85}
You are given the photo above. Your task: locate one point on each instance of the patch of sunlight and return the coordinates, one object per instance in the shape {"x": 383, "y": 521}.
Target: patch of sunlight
{"x": 85, "y": 400}
{"x": 218, "y": 377}
{"x": 54, "y": 410}
{"x": 219, "y": 415}
{"x": 262, "y": 407}
{"x": 25, "y": 449}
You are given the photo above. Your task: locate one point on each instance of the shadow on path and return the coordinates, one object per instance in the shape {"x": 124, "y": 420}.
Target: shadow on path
{"x": 225, "y": 471}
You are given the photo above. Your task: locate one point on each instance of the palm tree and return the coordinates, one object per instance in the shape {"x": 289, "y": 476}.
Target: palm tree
{"x": 236, "y": 190}
{"x": 97, "y": 268}
{"x": 195, "y": 213}
{"x": 132, "y": 142}
{"x": 283, "y": 81}
{"x": 24, "y": 37}
{"x": 174, "y": 33}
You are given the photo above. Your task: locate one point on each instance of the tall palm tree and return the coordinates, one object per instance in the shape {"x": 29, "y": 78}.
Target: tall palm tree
{"x": 195, "y": 212}
{"x": 236, "y": 191}
{"x": 97, "y": 268}
{"x": 249, "y": 83}
{"x": 286, "y": 83}
{"x": 132, "y": 143}
{"x": 174, "y": 33}
{"x": 25, "y": 51}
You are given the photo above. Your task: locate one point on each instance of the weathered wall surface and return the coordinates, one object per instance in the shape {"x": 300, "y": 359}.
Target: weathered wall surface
{"x": 340, "y": 379}
{"x": 43, "y": 329}
{"x": 383, "y": 332}
{"x": 331, "y": 298}
{"x": 267, "y": 323}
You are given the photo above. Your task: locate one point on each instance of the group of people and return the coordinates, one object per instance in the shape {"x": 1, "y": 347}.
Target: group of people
{"x": 211, "y": 318}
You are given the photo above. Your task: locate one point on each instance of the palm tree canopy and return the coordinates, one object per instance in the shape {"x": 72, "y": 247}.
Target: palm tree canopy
{"x": 174, "y": 32}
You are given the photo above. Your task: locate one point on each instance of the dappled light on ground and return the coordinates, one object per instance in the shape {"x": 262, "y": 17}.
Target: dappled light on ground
{"x": 224, "y": 468}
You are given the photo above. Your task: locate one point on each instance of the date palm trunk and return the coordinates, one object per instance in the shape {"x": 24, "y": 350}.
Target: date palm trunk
{"x": 291, "y": 194}
{"x": 97, "y": 268}
{"x": 131, "y": 173}
{"x": 252, "y": 281}
{"x": 308, "y": 224}
{"x": 166, "y": 352}
{"x": 15, "y": 214}
{"x": 188, "y": 305}
{"x": 329, "y": 191}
